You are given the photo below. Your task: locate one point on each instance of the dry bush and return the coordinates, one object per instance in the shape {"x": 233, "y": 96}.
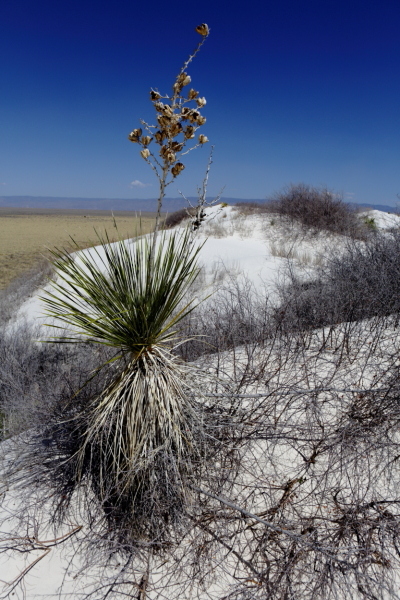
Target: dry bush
{"x": 177, "y": 217}
{"x": 34, "y": 375}
{"x": 361, "y": 283}
{"x": 235, "y": 317}
{"x": 318, "y": 209}
{"x": 253, "y": 208}
{"x": 297, "y": 494}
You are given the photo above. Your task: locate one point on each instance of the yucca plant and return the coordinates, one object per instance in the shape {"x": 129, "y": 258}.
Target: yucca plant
{"x": 134, "y": 442}
{"x": 144, "y": 421}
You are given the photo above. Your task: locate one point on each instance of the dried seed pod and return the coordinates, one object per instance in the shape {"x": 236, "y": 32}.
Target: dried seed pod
{"x": 159, "y": 106}
{"x": 203, "y": 139}
{"x": 163, "y": 121}
{"x": 168, "y": 154}
{"x": 192, "y": 94}
{"x": 175, "y": 129}
{"x": 203, "y": 29}
{"x": 135, "y": 135}
{"x": 181, "y": 77}
{"x": 182, "y": 80}
{"x": 168, "y": 110}
{"x": 160, "y": 136}
{"x": 176, "y": 146}
{"x": 189, "y": 132}
{"x": 176, "y": 169}
{"x": 145, "y": 153}
{"x": 201, "y": 102}
{"x": 201, "y": 120}
{"x": 145, "y": 140}
{"x": 193, "y": 116}
{"x": 154, "y": 95}
{"x": 185, "y": 112}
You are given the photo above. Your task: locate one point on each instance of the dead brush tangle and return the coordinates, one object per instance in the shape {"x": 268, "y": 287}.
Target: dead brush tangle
{"x": 361, "y": 283}
{"x": 287, "y": 484}
{"x": 293, "y": 488}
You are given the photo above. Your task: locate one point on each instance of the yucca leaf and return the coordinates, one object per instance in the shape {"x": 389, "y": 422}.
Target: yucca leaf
{"x": 115, "y": 295}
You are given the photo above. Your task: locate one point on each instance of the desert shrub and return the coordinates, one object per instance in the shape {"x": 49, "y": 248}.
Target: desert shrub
{"x": 143, "y": 419}
{"x": 360, "y": 283}
{"x": 235, "y": 316}
{"x": 177, "y": 217}
{"x": 316, "y": 208}
{"x": 34, "y": 375}
{"x": 370, "y": 223}
{"x": 253, "y": 208}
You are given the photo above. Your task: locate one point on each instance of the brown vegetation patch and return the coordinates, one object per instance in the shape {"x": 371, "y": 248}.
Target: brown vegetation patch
{"x": 26, "y": 236}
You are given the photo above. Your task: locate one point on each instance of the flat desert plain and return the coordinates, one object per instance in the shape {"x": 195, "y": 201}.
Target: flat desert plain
{"x": 26, "y": 234}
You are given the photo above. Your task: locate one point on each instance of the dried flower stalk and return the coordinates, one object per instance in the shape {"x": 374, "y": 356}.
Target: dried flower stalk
{"x": 177, "y": 123}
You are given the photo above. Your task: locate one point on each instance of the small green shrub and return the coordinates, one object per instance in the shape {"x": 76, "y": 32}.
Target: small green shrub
{"x": 370, "y": 223}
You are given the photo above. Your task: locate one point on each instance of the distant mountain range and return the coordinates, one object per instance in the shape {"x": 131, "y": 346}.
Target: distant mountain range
{"x": 125, "y": 204}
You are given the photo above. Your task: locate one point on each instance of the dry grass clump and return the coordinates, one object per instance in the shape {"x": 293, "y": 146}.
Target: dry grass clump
{"x": 316, "y": 208}
{"x": 292, "y": 251}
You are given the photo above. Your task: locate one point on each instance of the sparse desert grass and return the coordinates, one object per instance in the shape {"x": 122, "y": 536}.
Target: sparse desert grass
{"x": 284, "y": 249}
{"x": 25, "y": 236}
{"x": 221, "y": 226}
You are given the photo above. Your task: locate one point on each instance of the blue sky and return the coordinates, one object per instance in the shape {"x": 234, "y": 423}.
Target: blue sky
{"x": 296, "y": 92}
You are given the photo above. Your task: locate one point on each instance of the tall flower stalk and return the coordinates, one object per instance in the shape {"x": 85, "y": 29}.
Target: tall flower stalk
{"x": 178, "y": 120}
